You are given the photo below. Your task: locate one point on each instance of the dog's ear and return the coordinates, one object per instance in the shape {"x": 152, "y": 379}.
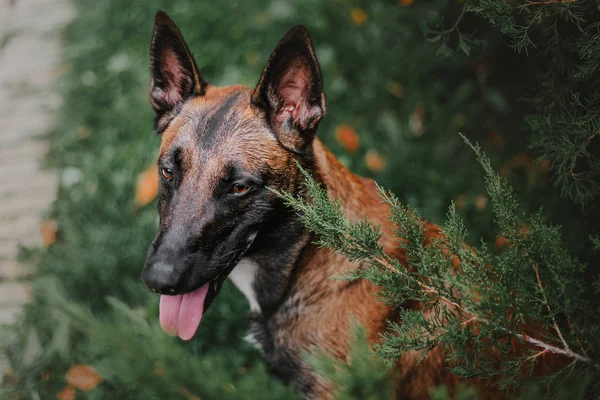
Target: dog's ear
{"x": 175, "y": 76}
{"x": 290, "y": 90}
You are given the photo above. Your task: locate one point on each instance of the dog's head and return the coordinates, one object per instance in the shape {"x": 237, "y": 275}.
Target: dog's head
{"x": 222, "y": 148}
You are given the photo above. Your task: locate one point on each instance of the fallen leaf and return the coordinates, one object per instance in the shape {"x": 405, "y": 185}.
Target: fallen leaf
{"x": 545, "y": 165}
{"x": 521, "y": 160}
{"x": 359, "y": 16}
{"x": 481, "y": 202}
{"x": 415, "y": 122}
{"x": 83, "y": 377}
{"x": 374, "y": 161}
{"x": 396, "y": 89}
{"x": 347, "y": 137}
{"x": 252, "y": 57}
{"x": 68, "y": 393}
{"x": 83, "y": 132}
{"x": 10, "y": 378}
{"x": 48, "y": 230}
{"x": 455, "y": 261}
{"x": 405, "y": 2}
{"x": 186, "y": 394}
{"x": 460, "y": 201}
{"x": 501, "y": 242}
{"x": 496, "y": 140}
{"x": 147, "y": 186}
{"x": 46, "y": 375}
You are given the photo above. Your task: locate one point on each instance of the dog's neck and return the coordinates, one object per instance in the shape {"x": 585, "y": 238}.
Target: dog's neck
{"x": 264, "y": 276}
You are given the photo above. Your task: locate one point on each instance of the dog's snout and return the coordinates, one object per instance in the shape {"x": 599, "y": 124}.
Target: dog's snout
{"x": 161, "y": 277}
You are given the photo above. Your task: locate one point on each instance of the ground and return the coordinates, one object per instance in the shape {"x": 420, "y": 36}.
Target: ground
{"x": 30, "y": 55}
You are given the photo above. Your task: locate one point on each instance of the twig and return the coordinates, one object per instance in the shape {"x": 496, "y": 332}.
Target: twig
{"x": 544, "y": 2}
{"x": 577, "y": 339}
{"x": 552, "y": 349}
{"x": 426, "y": 288}
{"x": 554, "y": 324}
{"x": 566, "y": 351}
{"x": 541, "y": 353}
{"x": 457, "y": 22}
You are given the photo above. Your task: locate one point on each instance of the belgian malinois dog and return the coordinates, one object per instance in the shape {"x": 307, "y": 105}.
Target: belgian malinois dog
{"x": 222, "y": 148}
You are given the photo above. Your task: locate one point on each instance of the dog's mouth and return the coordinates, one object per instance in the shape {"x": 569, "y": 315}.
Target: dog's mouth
{"x": 180, "y": 315}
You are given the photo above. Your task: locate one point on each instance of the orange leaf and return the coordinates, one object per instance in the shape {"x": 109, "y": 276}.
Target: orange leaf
{"x": 48, "y": 232}
{"x": 415, "y": 122}
{"x": 496, "y": 140}
{"x": 501, "y": 242}
{"x": 46, "y": 375}
{"x": 374, "y": 161}
{"x": 83, "y": 377}
{"x": 359, "y": 16}
{"x": 460, "y": 201}
{"x": 186, "y": 394}
{"x": 348, "y": 137}
{"x": 481, "y": 202}
{"x": 545, "y": 165}
{"x": 525, "y": 230}
{"x": 455, "y": 261}
{"x": 68, "y": 393}
{"x": 521, "y": 160}
{"x": 396, "y": 89}
{"x": 147, "y": 186}
{"x": 405, "y": 2}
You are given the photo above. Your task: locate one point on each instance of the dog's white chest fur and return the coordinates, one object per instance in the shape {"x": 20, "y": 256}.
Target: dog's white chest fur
{"x": 243, "y": 276}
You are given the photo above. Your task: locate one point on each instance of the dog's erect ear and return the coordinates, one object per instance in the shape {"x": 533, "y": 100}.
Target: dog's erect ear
{"x": 175, "y": 76}
{"x": 290, "y": 90}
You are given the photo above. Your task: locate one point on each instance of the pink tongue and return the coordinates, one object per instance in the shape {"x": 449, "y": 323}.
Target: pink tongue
{"x": 180, "y": 315}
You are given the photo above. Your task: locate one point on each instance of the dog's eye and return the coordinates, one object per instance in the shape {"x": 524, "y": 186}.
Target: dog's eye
{"x": 166, "y": 173}
{"x": 239, "y": 188}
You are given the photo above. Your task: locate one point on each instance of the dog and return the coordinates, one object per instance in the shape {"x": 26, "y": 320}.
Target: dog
{"x": 222, "y": 149}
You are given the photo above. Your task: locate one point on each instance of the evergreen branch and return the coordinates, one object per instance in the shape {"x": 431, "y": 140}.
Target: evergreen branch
{"x": 335, "y": 229}
{"x": 457, "y": 22}
{"x": 545, "y": 2}
{"x": 442, "y": 35}
{"x": 595, "y": 239}
{"x": 554, "y": 323}
{"x": 576, "y": 155}
{"x": 427, "y": 289}
{"x": 553, "y": 349}
{"x": 472, "y": 317}
{"x": 566, "y": 348}
{"x": 578, "y": 341}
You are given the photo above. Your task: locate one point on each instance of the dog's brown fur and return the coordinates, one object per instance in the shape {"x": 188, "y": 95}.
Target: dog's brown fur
{"x": 301, "y": 308}
{"x": 340, "y": 301}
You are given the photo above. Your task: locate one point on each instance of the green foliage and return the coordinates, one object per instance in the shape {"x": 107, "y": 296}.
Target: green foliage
{"x": 562, "y": 39}
{"x": 149, "y": 365}
{"x": 462, "y": 393}
{"x": 474, "y": 302}
{"x": 364, "y": 377}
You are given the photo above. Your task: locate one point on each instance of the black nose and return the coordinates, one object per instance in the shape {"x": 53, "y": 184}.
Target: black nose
{"x": 160, "y": 277}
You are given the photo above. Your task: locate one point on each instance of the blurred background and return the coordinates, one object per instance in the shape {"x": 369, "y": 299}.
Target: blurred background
{"x": 402, "y": 78}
